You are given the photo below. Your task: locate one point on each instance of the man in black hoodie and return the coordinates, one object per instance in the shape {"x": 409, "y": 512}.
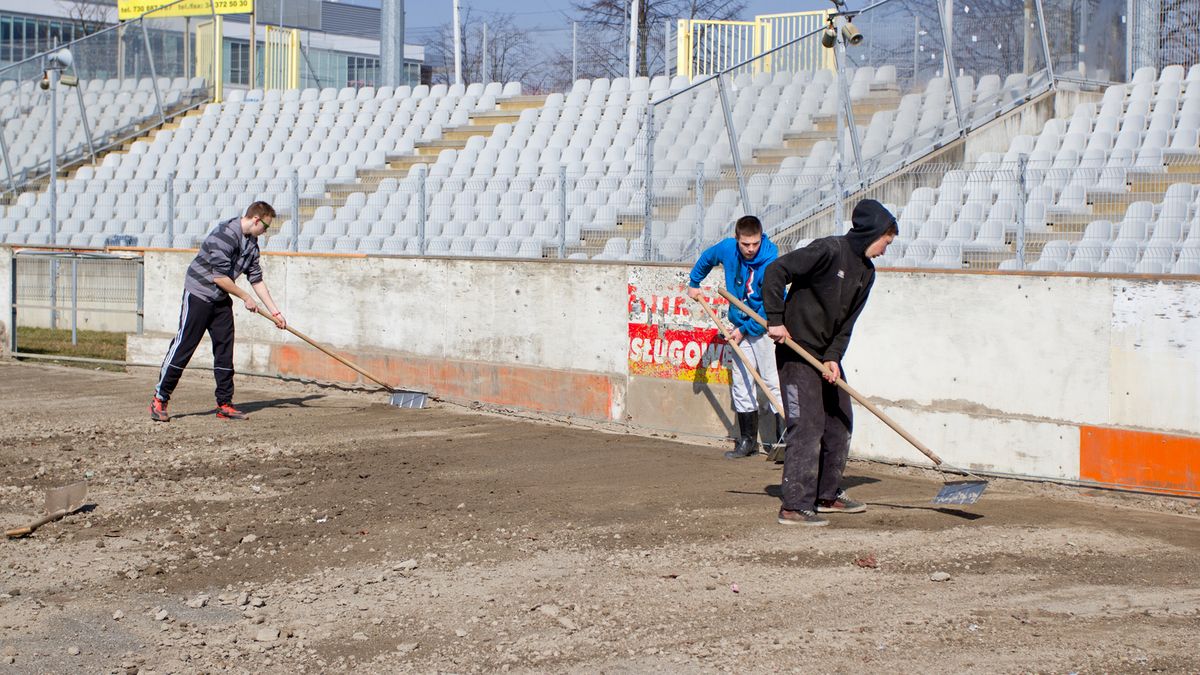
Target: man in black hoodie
{"x": 829, "y": 281}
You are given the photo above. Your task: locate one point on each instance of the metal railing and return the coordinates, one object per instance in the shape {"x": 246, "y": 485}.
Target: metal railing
{"x": 113, "y": 85}
{"x": 80, "y": 290}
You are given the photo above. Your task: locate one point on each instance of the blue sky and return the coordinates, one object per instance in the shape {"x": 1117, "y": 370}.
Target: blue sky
{"x": 422, "y": 16}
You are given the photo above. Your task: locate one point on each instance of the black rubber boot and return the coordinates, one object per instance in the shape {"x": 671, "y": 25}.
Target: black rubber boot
{"x": 747, "y": 443}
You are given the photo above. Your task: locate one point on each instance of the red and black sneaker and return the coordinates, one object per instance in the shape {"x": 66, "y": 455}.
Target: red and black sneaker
{"x": 840, "y": 504}
{"x": 226, "y": 411}
{"x": 158, "y": 410}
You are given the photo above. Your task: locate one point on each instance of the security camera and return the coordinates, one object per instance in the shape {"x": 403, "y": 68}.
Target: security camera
{"x": 60, "y": 59}
{"x": 851, "y": 34}
{"x": 44, "y": 83}
{"x": 829, "y": 37}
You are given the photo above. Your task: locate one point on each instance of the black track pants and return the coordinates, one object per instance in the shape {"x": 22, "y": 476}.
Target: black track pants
{"x": 195, "y": 317}
{"x": 819, "y": 420}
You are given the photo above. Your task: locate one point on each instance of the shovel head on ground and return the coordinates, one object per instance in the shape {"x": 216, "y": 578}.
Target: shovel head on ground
{"x": 59, "y": 502}
{"x": 960, "y": 492}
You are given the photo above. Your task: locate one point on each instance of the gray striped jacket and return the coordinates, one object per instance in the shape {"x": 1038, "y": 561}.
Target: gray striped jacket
{"x": 225, "y": 252}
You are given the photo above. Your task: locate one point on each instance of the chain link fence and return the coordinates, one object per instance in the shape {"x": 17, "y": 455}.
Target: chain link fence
{"x": 54, "y": 293}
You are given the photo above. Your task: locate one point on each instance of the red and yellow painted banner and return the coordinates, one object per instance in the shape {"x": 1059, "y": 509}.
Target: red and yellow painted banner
{"x": 669, "y": 336}
{"x": 1140, "y": 460}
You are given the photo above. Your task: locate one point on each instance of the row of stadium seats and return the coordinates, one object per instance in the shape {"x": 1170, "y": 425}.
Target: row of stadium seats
{"x": 495, "y": 187}
{"x": 114, "y": 109}
{"x": 1079, "y": 171}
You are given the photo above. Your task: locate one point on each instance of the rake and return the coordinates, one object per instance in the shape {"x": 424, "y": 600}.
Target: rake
{"x": 401, "y": 398}
{"x": 952, "y": 492}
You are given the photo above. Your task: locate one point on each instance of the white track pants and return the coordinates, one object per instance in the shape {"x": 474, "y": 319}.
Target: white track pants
{"x": 760, "y": 351}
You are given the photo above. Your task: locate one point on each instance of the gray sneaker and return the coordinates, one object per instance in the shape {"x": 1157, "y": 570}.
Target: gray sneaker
{"x": 801, "y": 517}
{"x": 840, "y": 504}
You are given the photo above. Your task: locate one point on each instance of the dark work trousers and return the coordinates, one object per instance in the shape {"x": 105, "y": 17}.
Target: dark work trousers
{"x": 819, "y": 422}
{"x": 195, "y": 317}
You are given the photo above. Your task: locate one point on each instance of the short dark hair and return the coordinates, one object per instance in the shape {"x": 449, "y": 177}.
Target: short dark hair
{"x": 260, "y": 210}
{"x": 746, "y": 226}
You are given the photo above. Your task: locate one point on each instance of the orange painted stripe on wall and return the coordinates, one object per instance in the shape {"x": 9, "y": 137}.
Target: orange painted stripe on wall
{"x": 543, "y": 389}
{"x": 1142, "y": 459}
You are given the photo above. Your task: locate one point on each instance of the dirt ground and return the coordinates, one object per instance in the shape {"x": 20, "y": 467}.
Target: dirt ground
{"x": 332, "y": 532}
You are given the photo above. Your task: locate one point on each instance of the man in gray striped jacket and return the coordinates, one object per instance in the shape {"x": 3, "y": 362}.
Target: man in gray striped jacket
{"x": 230, "y": 250}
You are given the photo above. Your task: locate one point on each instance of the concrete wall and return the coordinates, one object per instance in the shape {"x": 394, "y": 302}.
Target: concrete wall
{"x": 1050, "y": 376}
{"x": 545, "y": 336}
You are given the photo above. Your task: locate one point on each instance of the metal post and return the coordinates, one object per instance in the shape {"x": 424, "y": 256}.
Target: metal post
{"x": 421, "y": 209}
{"x": 171, "y": 210}
{"x": 75, "y": 300}
{"x": 295, "y": 182}
{"x": 633, "y": 39}
{"x": 87, "y": 128}
{"x": 916, "y": 48}
{"x": 666, "y": 48}
{"x": 457, "y": 48}
{"x": 54, "y": 294}
{"x": 162, "y": 113}
{"x": 951, "y": 70}
{"x": 1022, "y": 196}
{"x": 252, "y": 76}
{"x": 846, "y": 106}
{"x": 562, "y": 211}
{"x": 12, "y": 180}
{"x": 486, "y": 75}
{"x": 648, "y": 206}
{"x": 574, "y": 50}
{"x": 141, "y": 295}
{"x": 699, "y": 208}
{"x": 52, "y": 73}
{"x": 1046, "y": 43}
{"x": 733, "y": 144}
{"x": 12, "y": 305}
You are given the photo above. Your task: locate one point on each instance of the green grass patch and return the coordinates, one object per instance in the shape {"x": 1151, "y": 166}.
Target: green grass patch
{"x": 92, "y": 344}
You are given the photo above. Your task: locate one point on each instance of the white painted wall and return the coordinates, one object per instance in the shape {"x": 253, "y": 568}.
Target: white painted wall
{"x": 546, "y": 314}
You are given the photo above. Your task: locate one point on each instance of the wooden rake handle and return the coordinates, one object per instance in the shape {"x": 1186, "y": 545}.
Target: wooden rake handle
{"x": 742, "y": 357}
{"x": 338, "y": 357}
{"x": 18, "y": 532}
{"x": 862, "y": 400}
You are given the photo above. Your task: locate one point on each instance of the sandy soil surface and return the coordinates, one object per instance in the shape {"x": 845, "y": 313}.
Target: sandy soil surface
{"x": 332, "y": 532}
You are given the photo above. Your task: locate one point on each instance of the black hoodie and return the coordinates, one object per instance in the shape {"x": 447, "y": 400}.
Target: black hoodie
{"x": 829, "y": 280}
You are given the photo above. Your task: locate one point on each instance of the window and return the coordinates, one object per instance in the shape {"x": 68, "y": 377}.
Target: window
{"x": 239, "y": 63}
{"x": 362, "y": 71}
{"x": 5, "y": 39}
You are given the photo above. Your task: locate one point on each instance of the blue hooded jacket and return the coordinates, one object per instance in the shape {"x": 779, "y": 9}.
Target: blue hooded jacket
{"x": 743, "y": 278}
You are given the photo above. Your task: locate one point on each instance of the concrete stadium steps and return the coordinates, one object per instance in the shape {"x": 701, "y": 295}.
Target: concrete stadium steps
{"x": 69, "y": 171}
{"x": 482, "y": 123}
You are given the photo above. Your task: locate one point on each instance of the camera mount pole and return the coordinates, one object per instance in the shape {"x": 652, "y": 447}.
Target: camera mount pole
{"x": 52, "y": 76}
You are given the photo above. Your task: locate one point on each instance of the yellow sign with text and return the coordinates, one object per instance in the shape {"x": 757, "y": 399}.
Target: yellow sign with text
{"x": 132, "y": 9}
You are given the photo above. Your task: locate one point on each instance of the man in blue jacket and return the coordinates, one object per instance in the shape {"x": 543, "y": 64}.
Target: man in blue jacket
{"x": 745, "y": 257}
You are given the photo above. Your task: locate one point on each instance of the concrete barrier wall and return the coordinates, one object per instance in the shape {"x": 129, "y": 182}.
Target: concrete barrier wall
{"x": 1052, "y": 376}
{"x": 544, "y": 336}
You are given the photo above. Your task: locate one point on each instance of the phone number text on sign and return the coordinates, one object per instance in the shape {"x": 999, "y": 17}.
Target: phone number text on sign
{"x": 127, "y": 9}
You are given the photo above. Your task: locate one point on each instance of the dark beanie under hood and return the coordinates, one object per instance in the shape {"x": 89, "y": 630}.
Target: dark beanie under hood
{"x": 870, "y": 222}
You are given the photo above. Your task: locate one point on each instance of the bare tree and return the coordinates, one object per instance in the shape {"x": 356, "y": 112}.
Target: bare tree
{"x": 86, "y": 16}
{"x": 512, "y": 53}
{"x": 605, "y": 51}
